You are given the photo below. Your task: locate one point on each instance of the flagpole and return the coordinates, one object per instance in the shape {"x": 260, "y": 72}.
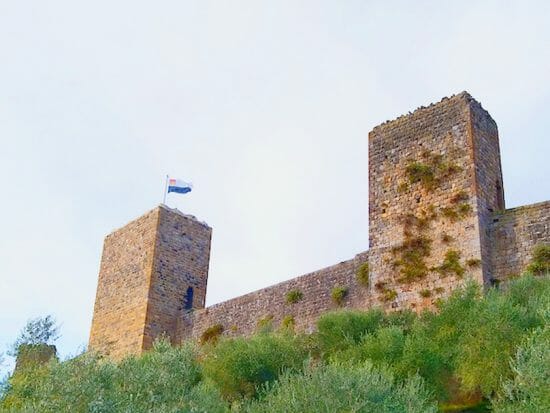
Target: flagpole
{"x": 165, "y": 190}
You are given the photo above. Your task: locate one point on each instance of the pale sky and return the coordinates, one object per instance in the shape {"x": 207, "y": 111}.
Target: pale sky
{"x": 265, "y": 106}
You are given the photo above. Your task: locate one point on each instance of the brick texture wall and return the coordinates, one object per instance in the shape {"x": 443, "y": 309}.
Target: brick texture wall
{"x": 146, "y": 269}
{"x": 241, "y": 315}
{"x": 515, "y": 232}
{"x": 455, "y": 141}
{"x": 123, "y": 286}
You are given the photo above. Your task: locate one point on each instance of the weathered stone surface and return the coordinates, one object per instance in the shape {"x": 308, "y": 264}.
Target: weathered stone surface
{"x": 515, "y": 233}
{"x": 437, "y": 218}
{"x": 146, "y": 269}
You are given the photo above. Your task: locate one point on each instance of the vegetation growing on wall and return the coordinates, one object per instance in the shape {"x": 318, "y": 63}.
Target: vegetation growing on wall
{"x": 490, "y": 350}
{"x": 293, "y": 296}
{"x": 338, "y": 294}
{"x": 363, "y": 274}
{"x": 451, "y": 264}
{"x": 425, "y": 293}
{"x": 288, "y": 323}
{"x": 389, "y": 295}
{"x": 265, "y": 324}
{"x": 431, "y": 170}
{"x": 540, "y": 263}
{"x": 473, "y": 262}
{"x": 211, "y": 334}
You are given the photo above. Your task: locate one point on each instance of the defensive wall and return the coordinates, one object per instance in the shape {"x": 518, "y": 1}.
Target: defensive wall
{"x": 437, "y": 219}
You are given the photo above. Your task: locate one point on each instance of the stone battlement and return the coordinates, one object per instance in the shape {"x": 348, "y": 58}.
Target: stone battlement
{"x": 436, "y": 219}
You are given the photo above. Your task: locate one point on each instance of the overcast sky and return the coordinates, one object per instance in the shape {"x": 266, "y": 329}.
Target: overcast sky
{"x": 265, "y": 106}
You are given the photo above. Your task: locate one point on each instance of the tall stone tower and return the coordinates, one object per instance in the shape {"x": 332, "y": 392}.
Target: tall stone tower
{"x": 152, "y": 271}
{"x": 434, "y": 183}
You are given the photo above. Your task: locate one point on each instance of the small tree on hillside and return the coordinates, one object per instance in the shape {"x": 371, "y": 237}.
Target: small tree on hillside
{"x": 41, "y": 330}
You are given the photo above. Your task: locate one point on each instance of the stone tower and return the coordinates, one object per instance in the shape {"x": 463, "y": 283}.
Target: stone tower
{"x": 435, "y": 182}
{"x": 152, "y": 271}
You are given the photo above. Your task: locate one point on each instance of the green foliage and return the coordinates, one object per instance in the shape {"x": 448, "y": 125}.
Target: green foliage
{"x": 356, "y": 361}
{"x": 432, "y": 171}
{"x": 389, "y": 295}
{"x": 451, "y": 264}
{"x": 456, "y": 212}
{"x": 211, "y": 334}
{"x": 345, "y": 388}
{"x": 363, "y": 274}
{"x": 239, "y": 366}
{"x": 425, "y": 293}
{"x": 288, "y": 323}
{"x": 41, "y": 330}
{"x": 421, "y": 172}
{"x": 293, "y": 296}
{"x": 338, "y": 294}
{"x": 339, "y": 330}
{"x": 165, "y": 379}
{"x": 412, "y": 254}
{"x": 529, "y": 390}
{"x": 540, "y": 263}
{"x": 265, "y": 324}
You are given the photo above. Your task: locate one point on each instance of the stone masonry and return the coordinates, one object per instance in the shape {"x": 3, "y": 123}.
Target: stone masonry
{"x": 437, "y": 218}
{"x": 152, "y": 270}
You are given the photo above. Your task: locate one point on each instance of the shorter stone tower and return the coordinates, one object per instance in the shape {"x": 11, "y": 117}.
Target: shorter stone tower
{"x": 152, "y": 271}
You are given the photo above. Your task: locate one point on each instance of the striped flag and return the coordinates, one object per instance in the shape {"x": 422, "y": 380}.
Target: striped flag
{"x": 179, "y": 186}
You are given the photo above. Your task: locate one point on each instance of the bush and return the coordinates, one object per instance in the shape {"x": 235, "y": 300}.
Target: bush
{"x": 239, "y": 366}
{"x": 363, "y": 274}
{"x": 211, "y": 334}
{"x": 345, "y": 388}
{"x": 338, "y": 295}
{"x": 451, "y": 264}
{"x": 389, "y": 295}
{"x": 339, "y": 330}
{"x": 425, "y": 293}
{"x": 265, "y": 324}
{"x": 540, "y": 263}
{"x": 165, "y": 379}
{"x": 529, "y": 390}
{"x": 293, "y": 296}
{"x": 288, "y": 323}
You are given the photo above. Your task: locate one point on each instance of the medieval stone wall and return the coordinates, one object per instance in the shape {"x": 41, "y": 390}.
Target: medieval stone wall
{"x": 146, "y": 269}
{"x": 436, "y": 219}
{"x": 425, "y": 200}
{"x": 515, "y": 232}
{"x": 123, "y": 286}
{"x": 244, "y": 315}
{"x": 182, "y": 256}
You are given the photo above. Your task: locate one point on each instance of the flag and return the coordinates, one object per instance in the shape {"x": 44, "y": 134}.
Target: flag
{"x": 179, "y": 186}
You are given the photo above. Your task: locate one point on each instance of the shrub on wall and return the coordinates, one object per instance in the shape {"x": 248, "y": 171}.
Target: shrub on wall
{"x": 265, "y": 324}
{"x": 293, "y": 296}
{"x": 425, "y": 293}
{"x": 451, "y": 264}
{"x": 211, "y": 334}
{"x": 389, "y": 295}
{"x": 540, "y": 263}
{"x": 363, "y": 274}
{"x": 338, "y": 294}
{"x": 473, "y": 262}
{"x": 288, "y": 323}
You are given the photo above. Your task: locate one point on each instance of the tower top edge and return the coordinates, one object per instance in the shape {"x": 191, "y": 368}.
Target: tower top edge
{"x": 463, "y": 98}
